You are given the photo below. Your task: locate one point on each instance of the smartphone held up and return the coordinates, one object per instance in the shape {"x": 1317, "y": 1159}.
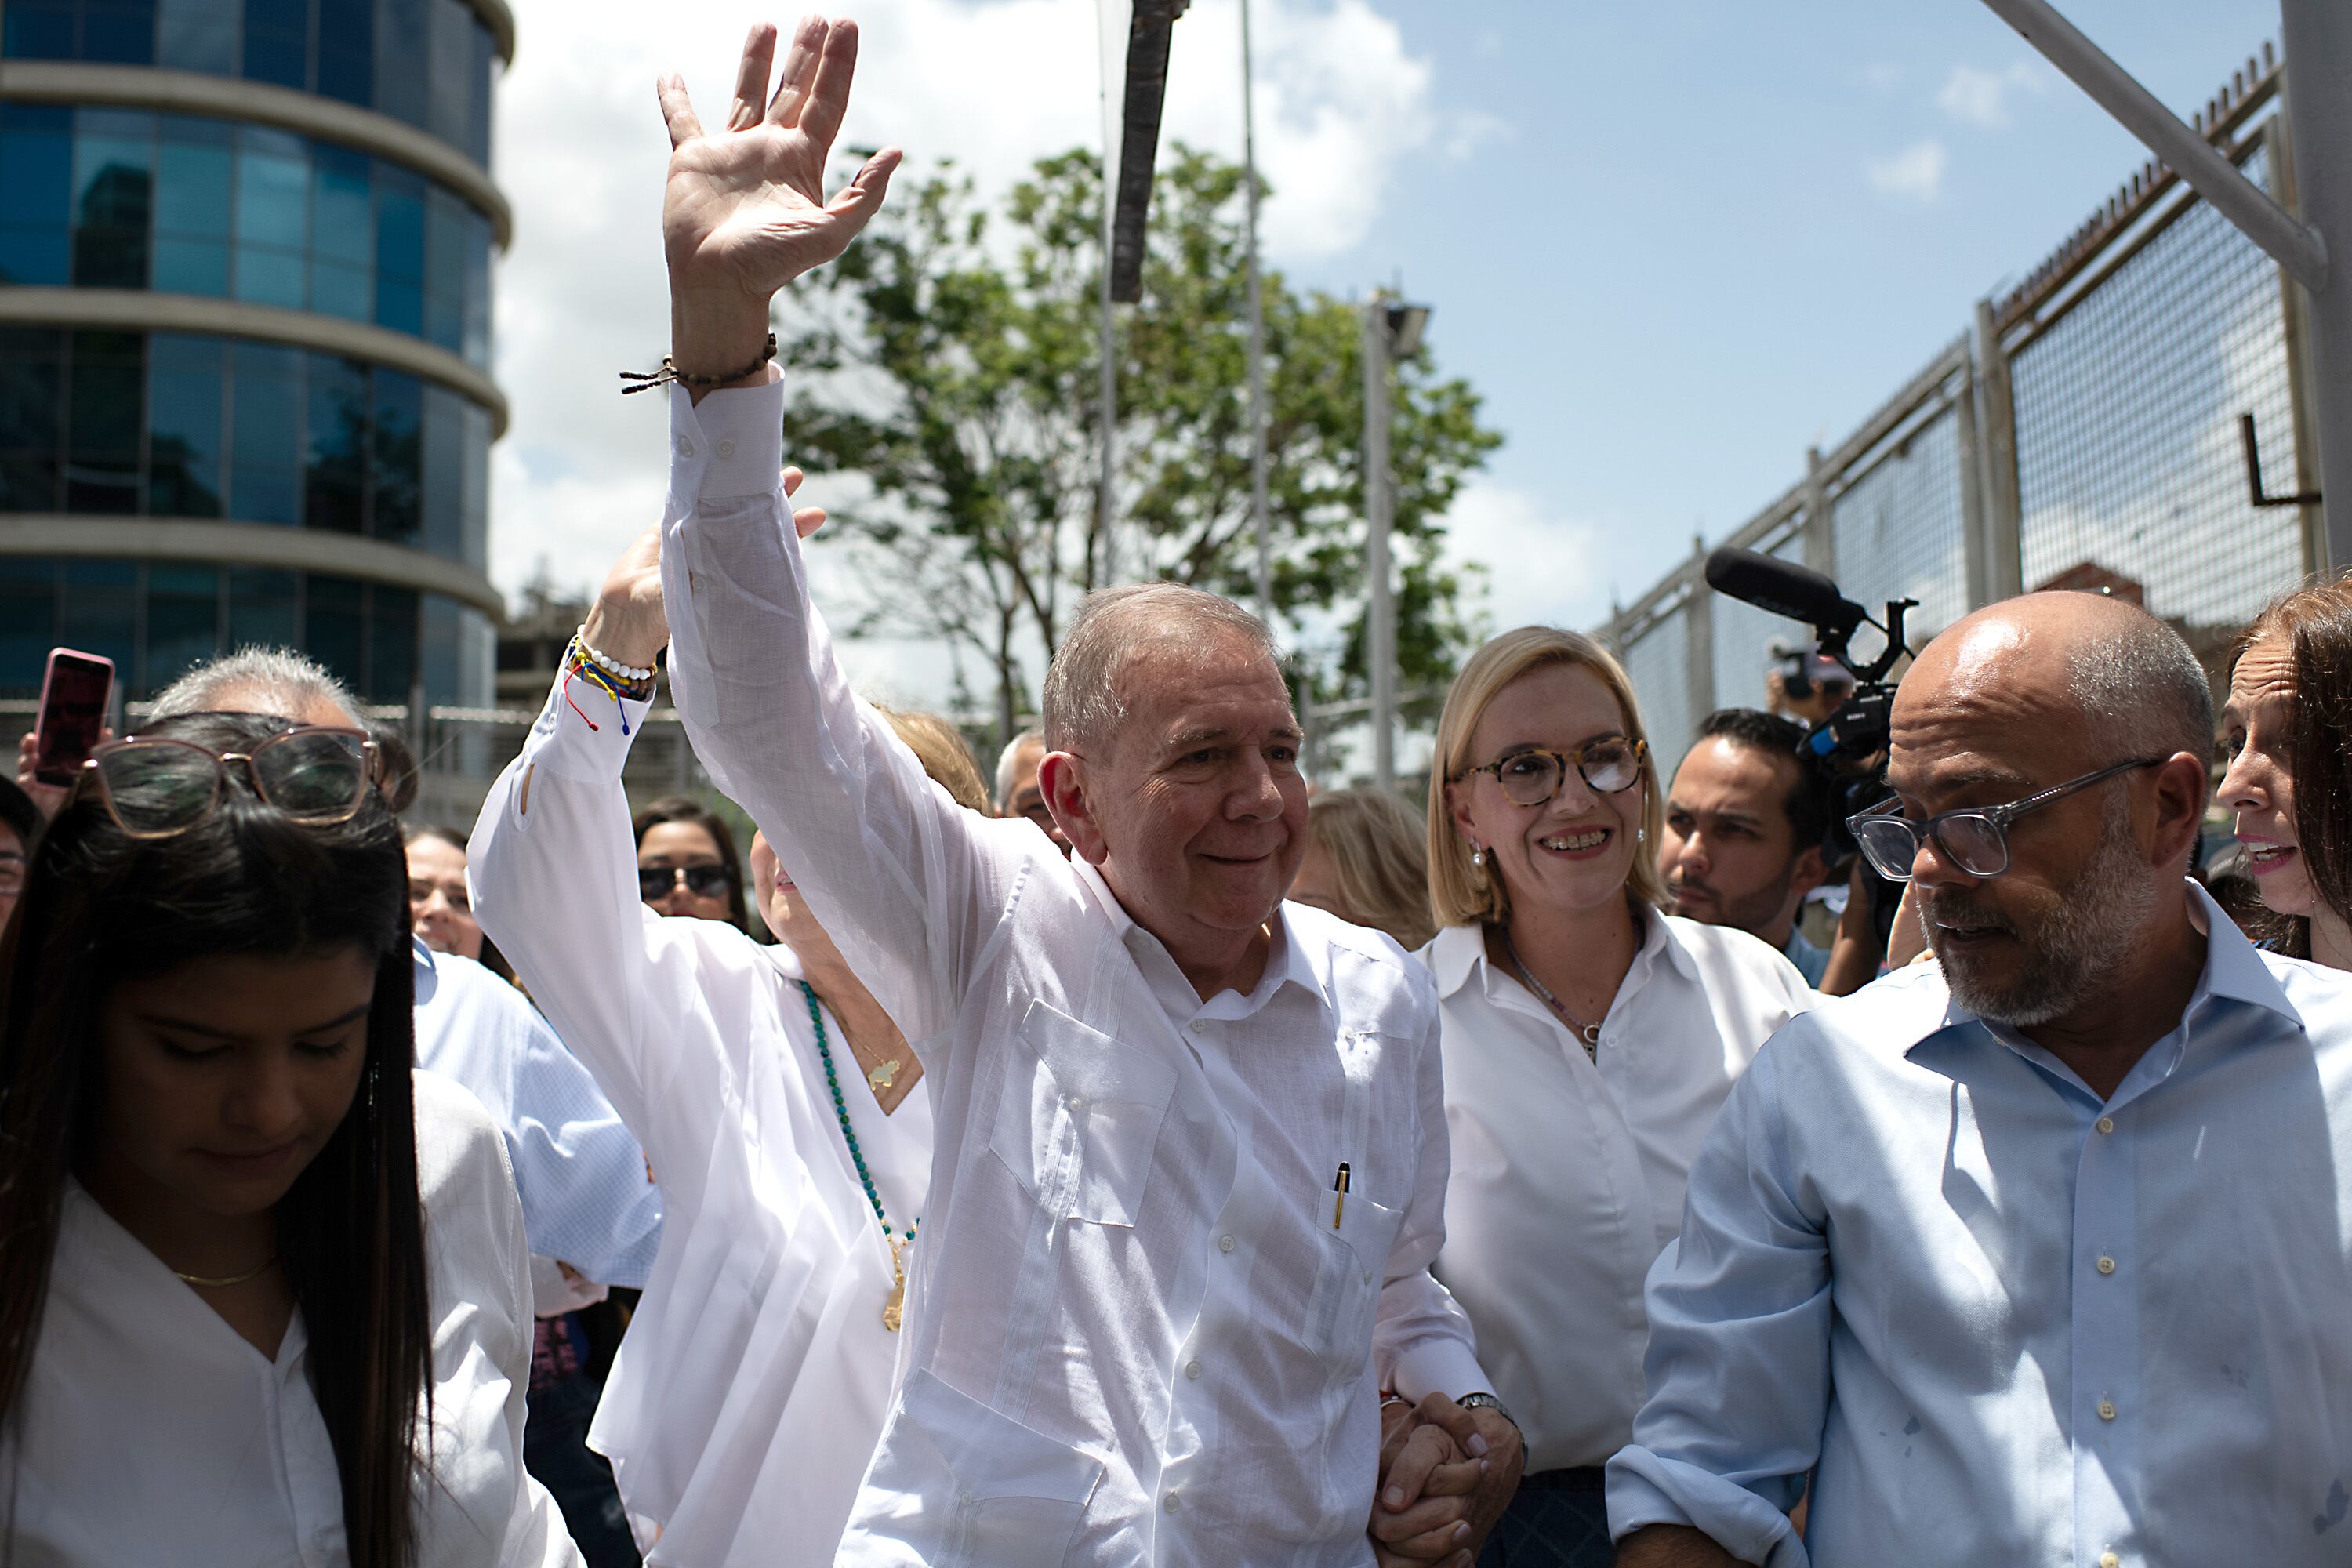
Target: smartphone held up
{"x": 75, "y": 694}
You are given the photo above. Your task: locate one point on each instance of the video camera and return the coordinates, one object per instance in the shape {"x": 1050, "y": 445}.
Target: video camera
{"x": 1847, "y": 750}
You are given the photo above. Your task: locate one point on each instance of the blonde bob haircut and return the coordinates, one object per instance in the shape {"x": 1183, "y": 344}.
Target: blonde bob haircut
{"x": 1463, "y": 894}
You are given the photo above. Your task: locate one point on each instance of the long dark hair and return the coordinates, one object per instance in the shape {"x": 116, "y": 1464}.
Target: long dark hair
{"x": 2317, "y": 622}
{"x": 100, "y": 908}
{"x": 680, "y": 808}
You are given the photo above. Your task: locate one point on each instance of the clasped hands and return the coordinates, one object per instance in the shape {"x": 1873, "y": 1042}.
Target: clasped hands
{"x": 1446, "y": 1474}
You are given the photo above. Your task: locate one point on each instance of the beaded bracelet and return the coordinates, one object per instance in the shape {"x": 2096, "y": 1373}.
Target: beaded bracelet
{"x": 669, "y": 372}
{"x": 609, "y": 665}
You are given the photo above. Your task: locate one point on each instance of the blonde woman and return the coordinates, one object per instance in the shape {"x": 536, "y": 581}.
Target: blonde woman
{"x": 1589, "y": 1039}
{"x": 1364, "y": 863}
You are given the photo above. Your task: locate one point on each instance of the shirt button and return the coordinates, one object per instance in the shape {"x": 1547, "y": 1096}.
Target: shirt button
{"x": 1199, "y": 1026}
{"x": 2106, "y": 1265}
{"x": 1226, "y": 1244}
{"x": 684, "y": 448}
{"x": 2107, "y": 1124}
{"x": 967, "y": 1500}
{"x": 1192, "y": 1369}
{"x": 1169, "y": 1502}
{"x": 726, "y": 447}
{"x": 1075, "y": 1102}
{"x": 2106, "y": 1409}
{"x": 2109, "y": 1560}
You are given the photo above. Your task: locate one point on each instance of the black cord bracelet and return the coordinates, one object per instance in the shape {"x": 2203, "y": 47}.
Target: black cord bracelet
{"x": 644, "y": 381}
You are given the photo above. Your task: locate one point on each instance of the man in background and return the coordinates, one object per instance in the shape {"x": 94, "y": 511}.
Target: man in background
{"x": 1743, "y": 838}
{"x": 1017, "y": 794}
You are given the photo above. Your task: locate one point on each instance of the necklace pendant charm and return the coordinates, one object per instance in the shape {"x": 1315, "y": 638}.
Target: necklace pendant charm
{"x": 894, "y": 1309}
{"x": 883, "y": 1076}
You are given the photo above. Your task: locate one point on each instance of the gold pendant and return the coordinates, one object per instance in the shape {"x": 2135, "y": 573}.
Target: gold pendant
{"x": 894, "y": 1309}
{"x": 883, "y": 1076}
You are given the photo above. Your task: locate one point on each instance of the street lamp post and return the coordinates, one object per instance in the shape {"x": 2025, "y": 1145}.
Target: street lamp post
{"x": 1391, "y": 332}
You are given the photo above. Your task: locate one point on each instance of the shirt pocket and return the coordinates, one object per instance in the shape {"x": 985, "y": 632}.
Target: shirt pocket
{"x": 1077, "y": 1120}
{"x": 967, "y": 1484}
{"x": 1354, "y": 1265}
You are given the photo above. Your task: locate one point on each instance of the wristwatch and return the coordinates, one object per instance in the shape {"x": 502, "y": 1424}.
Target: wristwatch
{"x": 1488, "y": 1402}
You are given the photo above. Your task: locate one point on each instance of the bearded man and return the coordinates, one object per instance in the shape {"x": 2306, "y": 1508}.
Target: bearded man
{"x": 2040, "y": 1255}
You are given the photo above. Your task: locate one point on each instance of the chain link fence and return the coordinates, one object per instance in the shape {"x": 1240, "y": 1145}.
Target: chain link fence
{"x": 2084, "y": 433}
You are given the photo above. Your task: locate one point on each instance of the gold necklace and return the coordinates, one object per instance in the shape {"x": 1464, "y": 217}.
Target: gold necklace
{"x": 227, "y": 1280}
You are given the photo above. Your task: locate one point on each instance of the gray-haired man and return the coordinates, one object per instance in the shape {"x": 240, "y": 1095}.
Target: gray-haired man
{"x": 1192, "y": 1151}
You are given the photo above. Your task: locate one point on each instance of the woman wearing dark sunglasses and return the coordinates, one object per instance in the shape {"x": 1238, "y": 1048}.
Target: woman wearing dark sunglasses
{"x": 686, "y": 863}
{"x": 1588, "y": 1038}
{"x": 263, "y": 1291}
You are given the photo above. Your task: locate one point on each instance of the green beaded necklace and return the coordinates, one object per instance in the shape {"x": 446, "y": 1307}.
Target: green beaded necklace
{"x": 893, "y": 1310}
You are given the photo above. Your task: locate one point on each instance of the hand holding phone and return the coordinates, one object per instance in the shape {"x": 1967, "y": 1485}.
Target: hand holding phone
{"x": 72, "y": 721}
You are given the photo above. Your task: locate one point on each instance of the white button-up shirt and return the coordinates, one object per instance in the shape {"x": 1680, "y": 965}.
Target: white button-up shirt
{"x": 1569, "y": 1170}
{"x": 1114, "y": 1197}
{"x": 1896, "y": 1275}
{"x": 149, "y": 1431}
{"x": 751, "y": 1386}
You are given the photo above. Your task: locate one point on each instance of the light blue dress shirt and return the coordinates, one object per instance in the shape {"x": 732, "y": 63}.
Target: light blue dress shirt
{"x": 2009, "y": 1323}
{"x": 587, "y": 1198}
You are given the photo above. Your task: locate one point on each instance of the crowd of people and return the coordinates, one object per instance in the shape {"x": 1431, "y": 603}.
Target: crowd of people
{"x": 1153, "y": 1158}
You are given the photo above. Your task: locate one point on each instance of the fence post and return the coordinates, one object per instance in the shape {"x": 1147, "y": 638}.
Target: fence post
{"x": 1820, "y": 530}
{"x": 1698, "y": 636}
{"x": 1996, "y": 430}
{"x": 1972, "y": 504}
{"x": 2278, "y": 145}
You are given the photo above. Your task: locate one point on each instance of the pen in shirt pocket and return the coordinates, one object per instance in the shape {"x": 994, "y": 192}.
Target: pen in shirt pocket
{"x": 1339, "y": 1194}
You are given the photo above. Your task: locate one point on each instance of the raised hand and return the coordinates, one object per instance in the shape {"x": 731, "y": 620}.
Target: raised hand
{"x": 744, "y": 210}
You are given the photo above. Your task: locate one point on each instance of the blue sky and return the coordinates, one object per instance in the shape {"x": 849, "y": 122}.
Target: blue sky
{"x": 1672, "y": 243}
{"x": 1667, "y": 262}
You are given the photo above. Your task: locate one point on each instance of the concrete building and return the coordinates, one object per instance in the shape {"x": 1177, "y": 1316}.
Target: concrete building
{"x": 245, "y": 337}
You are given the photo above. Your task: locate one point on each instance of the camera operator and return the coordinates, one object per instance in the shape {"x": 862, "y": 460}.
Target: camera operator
{"x": 1806, "y": 684}
{"x": 1742, "y": 845}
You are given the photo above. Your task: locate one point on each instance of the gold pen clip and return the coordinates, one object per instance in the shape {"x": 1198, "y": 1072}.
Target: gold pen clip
{"x": 1339, "y": 1194}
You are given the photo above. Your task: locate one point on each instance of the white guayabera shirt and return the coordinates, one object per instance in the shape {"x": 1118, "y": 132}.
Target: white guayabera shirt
{"x": 1136, "y": 1334}
{"x": 150, "y": 1432}
{"x": 753, "y": 1382}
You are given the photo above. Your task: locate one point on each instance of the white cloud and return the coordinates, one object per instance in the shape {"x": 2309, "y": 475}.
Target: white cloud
{"x": 1915, "y": 174}
{"x": 994, "y": 86}
{"x": 1555, "y": 570}
{"x": 1977, "y": 96}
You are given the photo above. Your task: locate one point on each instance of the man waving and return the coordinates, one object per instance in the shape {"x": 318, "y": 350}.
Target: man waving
{"x": 1191, "y": 1152}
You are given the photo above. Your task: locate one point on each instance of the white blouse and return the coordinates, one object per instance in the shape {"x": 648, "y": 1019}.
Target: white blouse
{"x": 150, "y": 1432}
{"x": 1568, "y": 1173}
{"x": 751, "y": 1388}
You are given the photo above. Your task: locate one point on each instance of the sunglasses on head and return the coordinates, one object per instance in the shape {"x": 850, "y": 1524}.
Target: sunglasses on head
{"x": 702, "y": 881}
{"x": 156, "y": 788}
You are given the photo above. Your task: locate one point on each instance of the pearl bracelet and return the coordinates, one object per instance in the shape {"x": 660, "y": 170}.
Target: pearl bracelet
{"x": 611, "y": 665}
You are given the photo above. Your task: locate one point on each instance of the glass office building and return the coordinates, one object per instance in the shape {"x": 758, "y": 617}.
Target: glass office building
{"x": 244, "y": 336}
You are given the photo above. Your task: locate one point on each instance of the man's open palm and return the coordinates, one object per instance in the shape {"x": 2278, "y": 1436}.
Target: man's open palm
{"x": 744, "y": 208}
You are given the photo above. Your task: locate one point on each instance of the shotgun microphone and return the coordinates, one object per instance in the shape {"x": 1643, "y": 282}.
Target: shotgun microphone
{"x": 1785, "y": 588}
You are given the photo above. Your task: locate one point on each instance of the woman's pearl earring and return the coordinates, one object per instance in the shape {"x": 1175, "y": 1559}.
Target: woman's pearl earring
{"x": 1477, "y": 856}
{"x": 1640, "y": 836}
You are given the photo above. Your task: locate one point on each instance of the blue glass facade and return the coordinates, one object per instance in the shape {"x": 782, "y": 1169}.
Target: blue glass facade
{"x": 176, "y": 425}
{"x": 104, "y": 198}
{"x": 427, "y": 62}
{"x": 154, "y": 619}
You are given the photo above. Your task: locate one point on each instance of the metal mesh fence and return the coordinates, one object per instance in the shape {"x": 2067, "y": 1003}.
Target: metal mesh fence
{"x": 1659, "y": 664}
{"x": 2129, "y": 473}
{"x": 1902, "y": 531}
{"x": 2131, "y": 352}
{"x": 1744, "y": 637}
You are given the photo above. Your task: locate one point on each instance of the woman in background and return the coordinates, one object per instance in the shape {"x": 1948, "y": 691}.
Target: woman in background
{"x": 440, "y": 907}
{"x": 2287, "y": 728}
{"x": 1365, "y": 863}
{"x": 686, "y": 863}
{"x": 262, "y": 1288}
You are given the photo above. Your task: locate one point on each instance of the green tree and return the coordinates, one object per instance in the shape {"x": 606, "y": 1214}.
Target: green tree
{"x": 952, "y": 358}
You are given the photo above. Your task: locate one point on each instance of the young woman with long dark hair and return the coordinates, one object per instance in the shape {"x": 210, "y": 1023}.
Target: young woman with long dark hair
{"x": 264, "y": 1294}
